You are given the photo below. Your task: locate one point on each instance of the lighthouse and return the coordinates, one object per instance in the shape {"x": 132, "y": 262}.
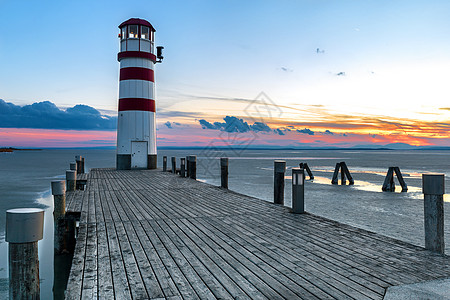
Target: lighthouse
{"x": 136, "y": 129}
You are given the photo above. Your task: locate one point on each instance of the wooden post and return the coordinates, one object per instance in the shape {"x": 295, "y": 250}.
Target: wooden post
{"x": 278, "y": 181}
{"x": 24, "y": 228}
{"x": 433, "y": 188}
{"x": 344, "y": 169}
{"x": 343, "y": 181}
{"x": 308, "y": 170}
{"x": 400, "y": 179}
{"x": 59, "y": 213}
{"x": 164, "y": 163}
{"x": 182, "y": 167}
{"x": 193, "y": 166}
{"x": 389, "y": 185}
{"x": 82, "y": 166}
{"x": 224, "y": 172}
{"x": 79, "y": 160}
{"x": 336, "y": 173}
{"x": 71, "y": 180}
{"x": 298, "y": 190}
{"x": 188, "y": 174}
{"x": 174, "y": 165}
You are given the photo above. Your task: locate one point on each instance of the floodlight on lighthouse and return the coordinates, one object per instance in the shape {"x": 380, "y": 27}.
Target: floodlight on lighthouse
{"x": 136, "y": 129}
{"x": 159, "y": 55}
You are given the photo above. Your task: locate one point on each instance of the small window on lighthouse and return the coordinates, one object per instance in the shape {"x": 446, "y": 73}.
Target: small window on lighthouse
{"x": 133, "y": 31}
{"x": 145, "y": 32}
{"x": 123, "y": 32}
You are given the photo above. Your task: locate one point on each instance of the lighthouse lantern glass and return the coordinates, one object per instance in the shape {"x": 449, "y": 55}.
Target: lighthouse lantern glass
{"x": 123, "y": 31}
{"x": 133, "y": 31}
{"x": 145, "y": 32}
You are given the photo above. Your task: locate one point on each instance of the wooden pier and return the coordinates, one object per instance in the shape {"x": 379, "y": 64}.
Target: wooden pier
{"x": 151, "y": 234}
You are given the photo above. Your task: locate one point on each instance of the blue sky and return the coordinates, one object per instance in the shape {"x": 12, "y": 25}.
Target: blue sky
{"x": 383, "y": 60}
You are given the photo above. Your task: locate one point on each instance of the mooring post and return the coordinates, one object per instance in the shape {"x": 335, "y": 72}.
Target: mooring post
{"x": 182, "y": 166}
{"x": 59, "y": 213}
{"x": 433, "y": 188}
{"x": 164, "y": 163}
{"x": 193, "y": 166}
{"x": 24, "y": 228}
{"x": 78, "y": 160}
{"x": 400, "y": 179}
{"x": 71, "y": 180}
{"x": 188, "y": 174}
{"x": 174, "y": 165}
{"x": 224, "y": 172}
{"x": 298, "y": 190}
{"x": 278, "y": 181}
{"x": 82, "y": 166}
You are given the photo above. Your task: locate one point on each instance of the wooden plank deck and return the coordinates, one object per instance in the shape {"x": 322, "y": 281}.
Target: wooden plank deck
{"x": 153, "y": 235}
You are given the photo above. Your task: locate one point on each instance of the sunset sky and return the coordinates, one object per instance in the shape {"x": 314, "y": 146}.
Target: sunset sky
{"x": 265, "y": 73}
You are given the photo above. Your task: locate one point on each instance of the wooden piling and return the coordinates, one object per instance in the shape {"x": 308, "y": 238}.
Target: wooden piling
{"x": 298, "y": 190}
{"x": 174, "y": 165}
{"x": 80, "y": 164}
{"x": 24, "y": 228}
{"x": 400, "y": 179}
{"x": 193, "y": 166}
{"x": 59, "y": 213}
{"x": 182, "y": 167}
{"x": 307, "y": 169}
{"x": 335, "y": 174}
{"x": 224, "y": 172}
{"x": 389, "y": 185}
{"x": 188, "y": 174}
{"x": 71, "y": 180}
{"x": 164, "y": 163}
{"x": 73, "y": 166}
{"x": 433, "y": 187}
{"x": 278, "y": 181}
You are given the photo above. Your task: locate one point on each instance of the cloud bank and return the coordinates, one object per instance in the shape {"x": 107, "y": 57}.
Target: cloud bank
{"x": 234, "y": 124}
{"x": 46, "y": 115}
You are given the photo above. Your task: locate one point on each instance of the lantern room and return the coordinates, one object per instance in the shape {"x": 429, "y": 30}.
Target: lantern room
{"x": 136, "y": 35}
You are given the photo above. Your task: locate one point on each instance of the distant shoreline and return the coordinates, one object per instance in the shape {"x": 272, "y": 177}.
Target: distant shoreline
{"x": 10, "y": 149}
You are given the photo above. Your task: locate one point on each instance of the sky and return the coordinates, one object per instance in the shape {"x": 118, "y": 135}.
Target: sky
{"x": 261, "y": 73}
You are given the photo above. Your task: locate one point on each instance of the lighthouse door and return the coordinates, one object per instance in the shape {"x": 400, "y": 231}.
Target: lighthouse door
{"x": 138, "y": 155}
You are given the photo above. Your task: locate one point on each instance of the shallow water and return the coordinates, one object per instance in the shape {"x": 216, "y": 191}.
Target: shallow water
{"x": 25, "y": 178}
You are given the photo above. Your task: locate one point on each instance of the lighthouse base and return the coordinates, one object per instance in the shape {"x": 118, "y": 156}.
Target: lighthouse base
{"x": 152, "y": 161}
{"x": 123, "y": 161}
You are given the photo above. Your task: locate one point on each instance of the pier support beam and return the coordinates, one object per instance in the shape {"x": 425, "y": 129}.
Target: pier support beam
{"x": 298, "y": 190}
{"x": 192, "y": 166}
{"x": 224, "y": 172}
{"x": 278, "y": 181}
{"x": 80, "y": 164}
{"x": 164, "y": 163}
{"x": 24, "y": 228}
{"x": 71, "y": 180}
{"x": 433, "y": 189}
{"x": 182, "y": 167}
{"x": 59, "y": 213}
{"x": 174, "y": 165}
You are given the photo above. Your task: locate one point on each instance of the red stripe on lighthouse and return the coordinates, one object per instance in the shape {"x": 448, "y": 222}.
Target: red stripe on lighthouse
{"x": 137, "y": 73}
{"x": 136, "y": 104}
{"x": 138, "y": 54}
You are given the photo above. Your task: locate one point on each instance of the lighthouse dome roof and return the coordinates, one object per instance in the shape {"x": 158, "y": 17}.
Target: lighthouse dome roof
{"x": 137, "y": 21}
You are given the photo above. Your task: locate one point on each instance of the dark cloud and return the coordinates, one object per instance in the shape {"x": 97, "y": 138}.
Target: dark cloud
{"x": 168, "y": 125}
{"x": 46, "y": 115}
{"x": 279, "y": 131}
{"x": 328, "y": 132}
{"x": 306, "y": 131}
{"x": 234, "y": 124}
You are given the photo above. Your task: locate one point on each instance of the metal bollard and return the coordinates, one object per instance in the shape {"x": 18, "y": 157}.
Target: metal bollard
{"x": 224, "y": 172}
{"x": 182, "y": 167}
{"x": 298, "y": 190}
{"x": 174, "y": 165}
{"x": 278, "y": 181}
{"x": 193, "y": 166}
{"x": 433, "y": 187}
{"x": 164, "y": 163}
{"x": 24, "y": 228}
{"x": 71, "y": 180}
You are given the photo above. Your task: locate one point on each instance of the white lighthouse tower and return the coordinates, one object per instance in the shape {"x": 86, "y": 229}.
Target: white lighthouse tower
{"x": 136, "y": 130}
